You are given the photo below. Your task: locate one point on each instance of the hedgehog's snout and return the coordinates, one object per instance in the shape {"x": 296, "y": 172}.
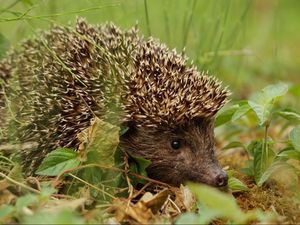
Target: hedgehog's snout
{"x": 221, "y": 179}
{"x": 210, "y": 174}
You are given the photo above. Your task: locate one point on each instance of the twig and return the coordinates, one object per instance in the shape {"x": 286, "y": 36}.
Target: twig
{"x": 91, "y": 185}
{"x": 110, "y": 168}
{"x": 130, "y": 187}
{"x": 140, "y": 191}
{"x": 173, "y": 203}
{"x": 19, "y": 184}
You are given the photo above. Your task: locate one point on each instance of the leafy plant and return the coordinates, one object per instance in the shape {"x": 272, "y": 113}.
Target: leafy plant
{"x": 25, "y": 204}
{"x": 98, "y": 161}
{"x": 265, "y": 160}
{"x": 58, "y": 161}
{"x": 234, "y": 184}
{"x": 214, "y": 204}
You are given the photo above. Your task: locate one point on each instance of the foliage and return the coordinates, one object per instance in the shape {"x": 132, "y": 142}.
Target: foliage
{"x": 234, "y": 184}
{"x": 31, "y": 209}
{"x": 238, "y": 41}
{"x": 265, "y": 159}
{"x": 214, "y": 204}
{"x": 58, "y": 161}
{"x": 98, "y": 161}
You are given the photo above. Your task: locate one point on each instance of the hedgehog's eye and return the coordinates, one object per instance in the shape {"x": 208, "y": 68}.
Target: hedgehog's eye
{"x": 175, "y": 144}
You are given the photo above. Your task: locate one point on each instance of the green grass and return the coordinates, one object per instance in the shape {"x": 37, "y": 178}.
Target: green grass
{"x": 247, "y": 44}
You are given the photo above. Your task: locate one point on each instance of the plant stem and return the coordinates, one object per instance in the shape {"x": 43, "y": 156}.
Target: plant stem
{"x": 264, "y": 156}
{"x": 25, "y": 16}
{"x": 19, "y": 183}
{"x": 187, "y": 25}
{"x": 147, "y": 18}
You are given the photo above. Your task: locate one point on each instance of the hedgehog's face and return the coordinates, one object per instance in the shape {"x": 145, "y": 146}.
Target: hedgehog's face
{"x": 185, "y": 153}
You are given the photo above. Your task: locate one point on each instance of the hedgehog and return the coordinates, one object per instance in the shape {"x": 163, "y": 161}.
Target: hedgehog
{"x": 66, "y": 76}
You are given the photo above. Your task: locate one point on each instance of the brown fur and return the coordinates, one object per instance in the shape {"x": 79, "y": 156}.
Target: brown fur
{"x": 195, "y": 160}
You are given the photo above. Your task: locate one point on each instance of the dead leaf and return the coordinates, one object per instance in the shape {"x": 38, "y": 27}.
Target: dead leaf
{"x": 181, "y": 200}
{"x": 16, "y": 173}
{"x": 4, "y": 184}
{"x": 155, "y": 202}
{"x": 100, "y": 137}
{"x": 6, "y": 197}
{"x": 188, "y": 198}
{"x": 129, "y": 212}
{"x": 141, "y": 213}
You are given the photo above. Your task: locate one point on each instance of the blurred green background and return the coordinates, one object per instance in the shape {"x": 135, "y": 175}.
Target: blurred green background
{"x": 245, "y": 43}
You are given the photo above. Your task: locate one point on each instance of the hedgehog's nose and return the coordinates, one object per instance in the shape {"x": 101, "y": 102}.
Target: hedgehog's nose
{"x": 221, "y": 179}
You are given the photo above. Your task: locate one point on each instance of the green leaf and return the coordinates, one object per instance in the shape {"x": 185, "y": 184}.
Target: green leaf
{"x": 5, "y": 211}
{"x": 291, "y": 116}
{"x": 222, "y": 204}
{"x": 54, "y": 217}
{"x": 234, "y": 144}
{"x": 26, "y": 200}
{"x": 214, "y": 204}
{"x": 251, "y": 148}
{"x": 290, "y": 154}
{"x": 295, "y": 137}
{"x": 236, "y": 185}
{"x": 262, "y": 111}
{"x": 119, "y": 157}
{"x": 249, "y": 169}
{"x": 47, "y": 191}
{"x": 138, "y": 165}
{"x": 205, "y": 216}
{"x": 188, "y": 218}
{"x": 275, "y": 167}
{"x": 100, "y": 142}
{"x": 93, "y": 175}
{"x": 262, "y": 101}
{"x": 241, "y": 111}
{"x": 58, "y": 161}
{"x": 141, "y": 164}
{"x": 260, "y": 164}
{"x": 225, "y": 115}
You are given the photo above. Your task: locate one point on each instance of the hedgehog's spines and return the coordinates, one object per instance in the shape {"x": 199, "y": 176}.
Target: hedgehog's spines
{"x": 107, "y": 73}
